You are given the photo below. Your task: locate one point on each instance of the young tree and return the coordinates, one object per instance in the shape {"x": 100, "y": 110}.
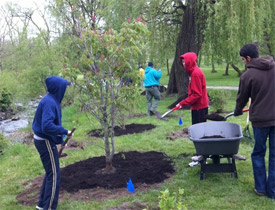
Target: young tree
{"x": 110, "y": 76}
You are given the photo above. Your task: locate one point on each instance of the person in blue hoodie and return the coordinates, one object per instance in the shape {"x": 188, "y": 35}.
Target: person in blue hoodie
{"x": 48, "y": 132}
{"x": 151, "y": 84}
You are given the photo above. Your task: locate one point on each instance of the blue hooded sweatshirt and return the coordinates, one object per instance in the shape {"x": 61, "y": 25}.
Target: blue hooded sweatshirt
{"x": 151, "y": 77}
{"x": 47, "y": 119}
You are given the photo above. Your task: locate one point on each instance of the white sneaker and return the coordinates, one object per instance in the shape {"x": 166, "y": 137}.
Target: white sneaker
{"x": 193, "y": 163}
{"x": 197, "y": 158}
{"x": 38, "y": 208}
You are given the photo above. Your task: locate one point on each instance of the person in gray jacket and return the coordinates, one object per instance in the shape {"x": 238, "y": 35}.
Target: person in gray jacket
{"x": 258, "y": 83}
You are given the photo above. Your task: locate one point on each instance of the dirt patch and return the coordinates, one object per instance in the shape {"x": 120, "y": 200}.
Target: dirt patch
{"x": 80, "y": 181}
{"x": 179, "y": 134}
{"x": 129, "y": 129}
{"x": 137, "y": 115}
{"x": 131, "y": 206}
{"x": 25, "y": 137}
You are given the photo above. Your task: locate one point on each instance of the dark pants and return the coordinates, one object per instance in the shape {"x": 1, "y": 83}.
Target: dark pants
{"x": 50, "y": 188}
{"x": 199, "y": 116}
{"x": 264, "y": 183}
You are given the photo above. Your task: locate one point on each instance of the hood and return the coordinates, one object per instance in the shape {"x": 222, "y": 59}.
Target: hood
{"x": 264, "y": 63}
{"x": 57, "y": 86}
{"x": 190, "y": 60}
{"x": 147, "y": 69}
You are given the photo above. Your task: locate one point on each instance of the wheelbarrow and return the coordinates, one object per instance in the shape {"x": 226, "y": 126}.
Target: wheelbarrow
{"x": 216, "y": 140}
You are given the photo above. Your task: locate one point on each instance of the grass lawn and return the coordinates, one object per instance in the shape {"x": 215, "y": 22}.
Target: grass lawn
{"x": 21, "y": 163}
{"x": 212, "y": 79}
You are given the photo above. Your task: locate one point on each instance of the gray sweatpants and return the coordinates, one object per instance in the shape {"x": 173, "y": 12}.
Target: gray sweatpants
{"x": 152, "y": 92}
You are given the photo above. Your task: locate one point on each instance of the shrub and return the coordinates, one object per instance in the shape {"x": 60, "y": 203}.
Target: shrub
{"x": 217, "y": 98}
{"x": 5, "y": 100}
{"x": 172, "y": 201}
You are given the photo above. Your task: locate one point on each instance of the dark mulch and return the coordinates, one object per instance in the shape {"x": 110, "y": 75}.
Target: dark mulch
{"x": 83, "y": 182}
{"x": 148, "y": 167}
{"x": 129, "y": 129}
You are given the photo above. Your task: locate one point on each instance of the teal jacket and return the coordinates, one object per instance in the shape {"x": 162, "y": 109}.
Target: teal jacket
{"x": 151, "y": 77}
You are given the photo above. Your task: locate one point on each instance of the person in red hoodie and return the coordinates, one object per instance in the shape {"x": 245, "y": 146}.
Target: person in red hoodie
{"x": 197, "y": 94}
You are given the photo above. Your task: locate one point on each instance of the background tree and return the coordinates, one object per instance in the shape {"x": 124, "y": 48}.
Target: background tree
{"x": 27, "y": 55}
{"x": 231, "y": 24}
{"x": 160, "y": 18}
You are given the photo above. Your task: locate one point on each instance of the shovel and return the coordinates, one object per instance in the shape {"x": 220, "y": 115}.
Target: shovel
{"x": 246, "y": 131}
{"x": 168, "y": 112}
{"x": 216, "y": 117}
{"x": 66, "y": 141}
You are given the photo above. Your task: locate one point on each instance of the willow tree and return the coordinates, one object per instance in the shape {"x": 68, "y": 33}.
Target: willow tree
{"x": 110, "y": 81}
{"x": 231, "y": 24}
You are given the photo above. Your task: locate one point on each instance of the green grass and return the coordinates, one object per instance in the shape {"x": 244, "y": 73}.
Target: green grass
{"x": 218, "y": 191}
{"x": 212, "y": 79}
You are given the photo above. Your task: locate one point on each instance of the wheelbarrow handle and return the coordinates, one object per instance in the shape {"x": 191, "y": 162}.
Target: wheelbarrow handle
{"x": 232, "y": 113}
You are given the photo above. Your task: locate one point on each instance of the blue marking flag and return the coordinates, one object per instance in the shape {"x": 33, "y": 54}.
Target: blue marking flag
{"x": 130, "y": 186}
{"x": 180, "y": 121}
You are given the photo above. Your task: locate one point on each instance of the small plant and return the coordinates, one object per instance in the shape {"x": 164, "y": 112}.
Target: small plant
{"x": 172, "y": 201}
{"x": 218, "y": 98}
{"x": 5, "y": 100}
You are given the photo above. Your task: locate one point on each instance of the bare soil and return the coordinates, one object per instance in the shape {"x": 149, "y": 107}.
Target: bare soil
{"x": 178, "y": 134}
{"x": 212, "y": 137}
{"x": 129, "y": 129}
{"x": 80, "y": 181}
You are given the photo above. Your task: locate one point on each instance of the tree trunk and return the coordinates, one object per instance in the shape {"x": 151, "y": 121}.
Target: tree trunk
{"x": 213, "y": 68}
{"x": 187, "y": 42}
{"x": 236, "y": 69}
{"x": 226, "y": 70}
{"x": 108, "y": 159}
{"x": 167, "y": 64}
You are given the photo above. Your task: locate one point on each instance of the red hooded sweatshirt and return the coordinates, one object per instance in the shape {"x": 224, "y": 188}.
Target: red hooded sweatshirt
{"x": 197, "y": 95}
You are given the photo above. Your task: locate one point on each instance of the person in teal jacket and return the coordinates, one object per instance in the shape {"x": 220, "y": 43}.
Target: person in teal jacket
{"x": 151, "y": 84}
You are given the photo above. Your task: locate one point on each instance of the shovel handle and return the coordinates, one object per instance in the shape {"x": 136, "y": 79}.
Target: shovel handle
{"x": 65, "y": 142}
{"x": 176, "y": 108}
{"x": 232, "y": 113}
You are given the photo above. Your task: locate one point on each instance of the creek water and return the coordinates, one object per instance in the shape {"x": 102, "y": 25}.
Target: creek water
{"x": 21, "y": 120}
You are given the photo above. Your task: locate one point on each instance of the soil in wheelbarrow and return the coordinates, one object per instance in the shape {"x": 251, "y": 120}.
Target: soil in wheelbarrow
{"x": 82, "y": 180}
{"x": 212, "y": 137}
{"x": 129, "y": 129}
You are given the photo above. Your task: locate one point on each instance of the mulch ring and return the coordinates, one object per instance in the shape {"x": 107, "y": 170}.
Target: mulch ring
{"x": 81, "y": 180}
{"x": 129, "y": 129}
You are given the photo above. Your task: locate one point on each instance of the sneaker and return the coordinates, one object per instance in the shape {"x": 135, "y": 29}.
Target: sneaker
{"x": 151, "y": 113}
{"x": 193, "y": 163}
{"x": 259, "y": 193}
{"x": 197, "y": 158}
{"x": 38, "y": 208}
